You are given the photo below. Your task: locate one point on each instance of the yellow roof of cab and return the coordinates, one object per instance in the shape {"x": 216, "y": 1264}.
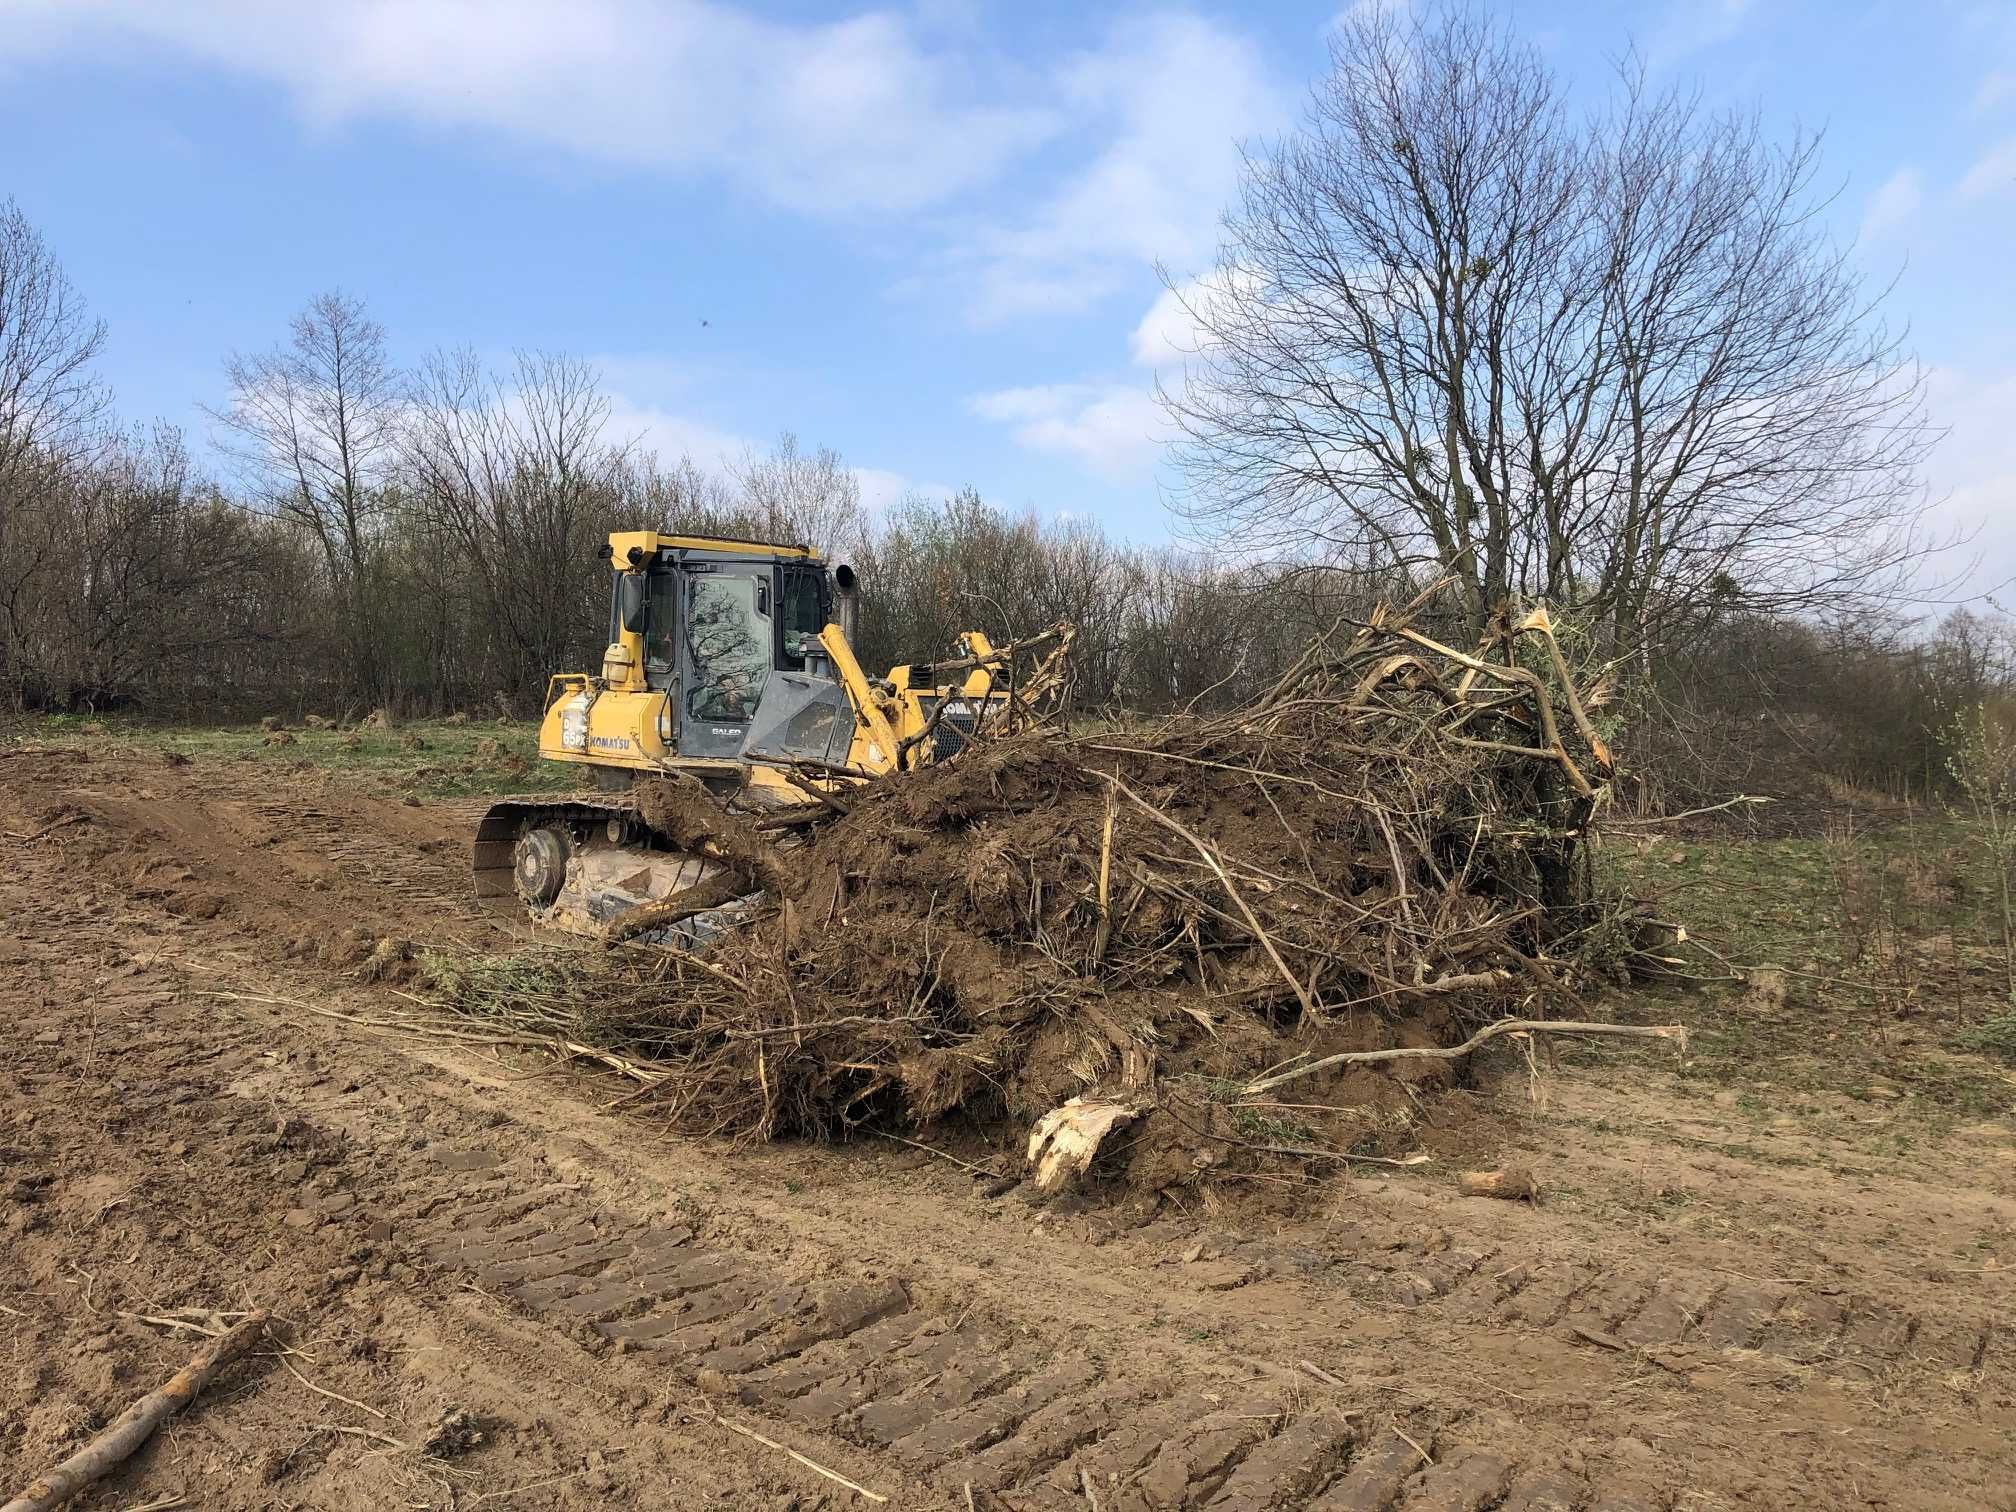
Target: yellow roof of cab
{"x": 648, "y": 542}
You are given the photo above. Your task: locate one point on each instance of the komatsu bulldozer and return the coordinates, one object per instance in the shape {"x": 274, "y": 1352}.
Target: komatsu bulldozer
{"x": 729, "y": 662}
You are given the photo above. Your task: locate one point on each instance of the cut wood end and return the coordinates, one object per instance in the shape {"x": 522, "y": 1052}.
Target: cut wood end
{"x": 1513, "y": 1184}
{"x": 1064, "y": 1140}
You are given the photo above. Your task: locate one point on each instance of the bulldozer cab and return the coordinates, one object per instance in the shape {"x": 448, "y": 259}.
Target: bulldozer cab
{"x": 715, "y": 624}
{"x": 732, "y": 659}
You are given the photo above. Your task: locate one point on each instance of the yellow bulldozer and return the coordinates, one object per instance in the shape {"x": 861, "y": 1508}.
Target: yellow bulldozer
{"x": 730, "y": 663}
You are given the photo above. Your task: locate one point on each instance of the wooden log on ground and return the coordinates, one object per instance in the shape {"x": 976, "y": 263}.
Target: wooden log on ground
{"x": 1513, "y": 1184}
{"x": 718, "y": 891}
{"x": 117, "y": 1444}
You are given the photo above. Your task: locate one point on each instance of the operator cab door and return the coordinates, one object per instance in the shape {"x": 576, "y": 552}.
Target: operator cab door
{"x": 729, "y": 641}
{"x": 805, "y": 714}
{"x": 802, "y": 597}
{"x": 662, "y": 594}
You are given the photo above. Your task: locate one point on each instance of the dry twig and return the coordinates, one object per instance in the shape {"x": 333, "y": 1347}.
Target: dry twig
{"x": 1675, "y": 1032}
{"x": 809, "y": 1464}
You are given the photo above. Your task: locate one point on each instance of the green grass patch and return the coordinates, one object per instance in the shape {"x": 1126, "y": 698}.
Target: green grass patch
{"x": 426, "y": 758}
{"x": 1869, "y": 956}
{"x": 1995, "y": 1036}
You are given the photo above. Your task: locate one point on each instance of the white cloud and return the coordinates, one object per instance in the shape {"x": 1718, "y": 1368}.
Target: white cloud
{"x": 1994, "y": 173}
{"x": 1113, "y": 429}
{"x": 887, "y": 111}
{"x": 1116, "y": 428}
{"x": 1895, "y": 205}
{"x": 673, "y": 436}
{"x": 1172, "y": 97}
{"x": 1168, "y": 332}
{"x": 1186, "y": 93}
{"x": 856, "y": 114}
{"x": 1691, "y": 25}
{"x": 1174, "y": 329}
{"x": 658, "y": 427}
{"x": 880, "y": 488}
{"x": 1972, "y": 472}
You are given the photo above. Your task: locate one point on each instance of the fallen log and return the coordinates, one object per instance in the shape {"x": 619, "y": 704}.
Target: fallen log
{"x": 1513, "y": 1184}
{"x": 118, "y": 1443}
{"x": 1676, "y": 1032}
{"x": 718, "y": 891}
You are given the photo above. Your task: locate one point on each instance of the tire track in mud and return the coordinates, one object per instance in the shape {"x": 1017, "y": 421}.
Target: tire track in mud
{"x": 434, "y": 881}
{"x": 1830, "y": 1327}
{"x": 952, "y": 1402}
{"x": 949, "y": 1401}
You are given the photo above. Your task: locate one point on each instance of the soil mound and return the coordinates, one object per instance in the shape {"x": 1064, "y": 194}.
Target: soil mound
{"x": 1377, "y": 852}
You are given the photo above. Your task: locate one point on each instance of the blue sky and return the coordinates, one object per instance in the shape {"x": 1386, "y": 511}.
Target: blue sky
{"x": 925, "y": 235}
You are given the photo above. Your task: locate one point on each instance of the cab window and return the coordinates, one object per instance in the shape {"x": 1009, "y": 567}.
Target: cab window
{"x": 803, "y": 614}
{"x": 728, "y": 632}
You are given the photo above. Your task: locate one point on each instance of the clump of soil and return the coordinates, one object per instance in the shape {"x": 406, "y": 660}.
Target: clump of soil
{"x": 455, "y": 1432}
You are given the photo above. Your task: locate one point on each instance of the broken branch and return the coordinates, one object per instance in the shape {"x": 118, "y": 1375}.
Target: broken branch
{"x": 1676, "y": 1032}
{"x": 118, "y": 1443}
{"x": 809, "y": 1464}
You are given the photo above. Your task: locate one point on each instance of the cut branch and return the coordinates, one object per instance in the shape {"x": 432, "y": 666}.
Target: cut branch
{"x": 1675, "y": 1032}
{"x": 118, "y": 1443}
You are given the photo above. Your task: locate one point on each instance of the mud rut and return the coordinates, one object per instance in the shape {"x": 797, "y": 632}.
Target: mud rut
{"x": 583, "y": 1290}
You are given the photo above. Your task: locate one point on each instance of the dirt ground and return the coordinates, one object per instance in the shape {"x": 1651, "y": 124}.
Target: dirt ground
{"x": 502, "y": 1290}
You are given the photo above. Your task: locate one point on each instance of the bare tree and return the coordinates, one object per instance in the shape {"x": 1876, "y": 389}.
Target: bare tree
{"x": 50, "y": 404}
{"x": 155, "y": 579}
{"x": 314, "y": 426}
{"x": 512, "y": 476}
{"x": 811, "y": 497}
{"x": 1613, "y": 362}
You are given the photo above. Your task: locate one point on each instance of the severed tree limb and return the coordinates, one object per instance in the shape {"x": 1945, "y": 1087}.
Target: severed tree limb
{"x": 1512, "y": 1184}
{"x": 804, "y": 783}
{"x": 1104, "y": 933}
{"x": 1676, "y": 1032}
{"x": 718, "y": 891}
{"x": 118, "y": 1443}
{"x": 1739, "y": 801}
{"x": 49, "y": 828}
{"x": 809, "y": 1464}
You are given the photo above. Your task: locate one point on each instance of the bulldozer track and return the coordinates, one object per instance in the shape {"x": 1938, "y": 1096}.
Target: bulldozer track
{"x": 956, "y": 1403}
{"x": 400, "y": 877}
{"x": 496, "y": 827}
